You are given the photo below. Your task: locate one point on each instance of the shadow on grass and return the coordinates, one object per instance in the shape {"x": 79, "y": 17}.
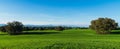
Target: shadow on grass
{"x": 3, "y": 34}
{"x": 115, "y": 32}
{"x": 38, "y": 33}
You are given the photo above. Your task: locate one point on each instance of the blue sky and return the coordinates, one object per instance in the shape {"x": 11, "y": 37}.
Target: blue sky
{"x": 65, "y": 12}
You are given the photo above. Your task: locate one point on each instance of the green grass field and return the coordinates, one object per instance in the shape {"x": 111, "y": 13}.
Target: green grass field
{"x": 68, "y": 39}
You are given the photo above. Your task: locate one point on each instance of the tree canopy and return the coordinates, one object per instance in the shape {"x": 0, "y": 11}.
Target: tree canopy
{"x": 14, "y": 27}
{"x": 103, "y": 25}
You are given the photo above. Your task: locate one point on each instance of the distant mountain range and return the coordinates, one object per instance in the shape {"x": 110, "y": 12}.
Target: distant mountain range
{"x": 52, "y": 25}
{"x": 2, "y": 24}
{"x": 59, "y": 25}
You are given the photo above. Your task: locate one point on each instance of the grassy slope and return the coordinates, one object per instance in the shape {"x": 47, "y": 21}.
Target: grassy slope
{"x": 74, "y": 39}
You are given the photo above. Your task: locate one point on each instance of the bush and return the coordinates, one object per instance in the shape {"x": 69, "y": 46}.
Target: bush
{"x": 14, "y": 27}
{"x": 2, "y": 29}
{"x": 59, "y": 28}
{"x": 103, "y": 25}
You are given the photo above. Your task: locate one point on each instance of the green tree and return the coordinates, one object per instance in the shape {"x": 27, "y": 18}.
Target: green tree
{"x": 103, "y": 25}
{"x": 14, "y": 27}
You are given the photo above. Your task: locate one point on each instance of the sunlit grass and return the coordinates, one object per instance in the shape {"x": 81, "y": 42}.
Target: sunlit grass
{"x": 74, "y": 39}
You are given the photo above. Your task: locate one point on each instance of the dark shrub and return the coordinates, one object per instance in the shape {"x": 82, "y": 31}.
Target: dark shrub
{"x": 59, "y": 28}
{"x": 2, "y": 29}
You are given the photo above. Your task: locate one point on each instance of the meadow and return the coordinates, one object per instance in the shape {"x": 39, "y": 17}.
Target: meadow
{"x": 67, "y": 39}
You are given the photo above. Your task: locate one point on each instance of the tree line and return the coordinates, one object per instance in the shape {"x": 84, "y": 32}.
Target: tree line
{"x": 100, "y": 25}
{"x": 16, "y": 27}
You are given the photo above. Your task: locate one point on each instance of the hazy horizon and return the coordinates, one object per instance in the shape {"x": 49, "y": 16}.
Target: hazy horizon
{"x": 58, "y": 12}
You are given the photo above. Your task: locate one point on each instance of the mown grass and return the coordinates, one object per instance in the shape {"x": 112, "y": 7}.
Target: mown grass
{"x": 68, "y": 39}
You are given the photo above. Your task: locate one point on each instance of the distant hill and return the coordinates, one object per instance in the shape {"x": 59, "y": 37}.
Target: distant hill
{"x": 57, "y": 25}
{"x": 52, "y": 25}
{"x": 2, "y": 24}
